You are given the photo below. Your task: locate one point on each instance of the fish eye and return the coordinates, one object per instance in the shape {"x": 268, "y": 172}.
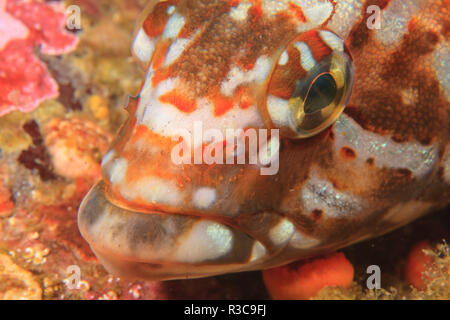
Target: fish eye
{"x": 322, "y": 92}
{"x": 310, "y": 85}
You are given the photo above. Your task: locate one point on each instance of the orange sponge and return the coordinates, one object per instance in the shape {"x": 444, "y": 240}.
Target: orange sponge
{"x": 417, "y": 263}
{"x": 304, "y": 280}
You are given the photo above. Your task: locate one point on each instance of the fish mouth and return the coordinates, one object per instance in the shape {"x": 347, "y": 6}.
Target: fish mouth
{"x": 163, "y": 246}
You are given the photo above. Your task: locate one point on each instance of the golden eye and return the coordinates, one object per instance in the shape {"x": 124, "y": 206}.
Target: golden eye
{"x": 311, "y": 85}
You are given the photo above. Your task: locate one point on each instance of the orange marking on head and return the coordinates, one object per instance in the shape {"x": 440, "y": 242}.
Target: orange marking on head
{"x": 160, "y": 54}
{"x": 318, "y": 47}
{"x": 298, "y": 12}
{"x": 284, "y": 78}
{"x": 413, "y": 24}
{"x": 244, "y": 97}
{"x": 221, "y": 105}
{"x": 180, "y": 102}
{"x": 159, "y": 76}
{"x": 139, "y": 167}
{"x": 256, "y": 10}
{"x": 140, "y": 132}
{"x": 234, "y": 3}
{"x": 186, "y": 32}
{"x": 156, "y": 21}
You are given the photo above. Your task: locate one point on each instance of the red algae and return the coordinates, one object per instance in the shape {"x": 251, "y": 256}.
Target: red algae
{"x": 25, "y": 81}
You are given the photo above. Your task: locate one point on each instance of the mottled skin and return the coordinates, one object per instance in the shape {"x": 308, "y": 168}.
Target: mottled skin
{"x": 382, "y": 164}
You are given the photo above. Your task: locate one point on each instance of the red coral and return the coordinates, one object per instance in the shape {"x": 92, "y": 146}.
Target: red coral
{"x": 24, "y": 80}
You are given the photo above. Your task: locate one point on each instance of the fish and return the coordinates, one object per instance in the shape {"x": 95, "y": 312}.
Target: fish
{"x": 270, "y": 131}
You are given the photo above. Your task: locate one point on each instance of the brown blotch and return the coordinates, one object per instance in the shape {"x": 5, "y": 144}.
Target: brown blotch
{"x": 223, "y": 42}
{"x": 384, "y": 112}
{"x": 419, "y": 42}
{"x": 396, "y": 91}
{"x": 441, "y": 173}
{"x": 361, "y": 35}
{"x": 403, "y": 173}
{"x": 37, "y": 156}
{"x": 317, "y": 214}
{"x": 370, "y": 162}
{"x": 348, "y": 153}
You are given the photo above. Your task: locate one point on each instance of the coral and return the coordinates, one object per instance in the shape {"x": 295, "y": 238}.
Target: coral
{"x": 17, "y": 283}
{"x": 76, "y": 147}
{"x": 437, "y": 274}
{"x": 418, "y": 263}
{"x": 6, "y": 205}
{"x": 303, "y": 280}
{"x": 24, "y": 80}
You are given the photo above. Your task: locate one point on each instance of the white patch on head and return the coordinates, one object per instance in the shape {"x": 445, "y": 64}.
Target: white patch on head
{"x": 166, "y": 120}
{"x": 143, "y": 46}
{"x": 173, "y": 27}
{"x": 306, "y": 58}
{"x": 395, "y": 20}
{"x": 446, "y": 164}
{"x": 273, "y": 7}
{"x": 403, "y": 213}
{"x": 347, "y": 14}
{"x": 171, "y": 10}
{"x": 258, "y": 252}
{"x": 441, "y": 64}
{"x": 320, "y": 194}
{"x": 332, "y": 40}
{"x": 117, "y": 170}
{"x": 108, "y": 157}
{"x": 203, "y": 198}
{"x": 206, "y": 241}
{"x": 282, "y": 232}
{"x": 284, "y": 58}
{"x": 279, "y": 110}
{"x": 419, "y": 159}
{"x": 316, "y": 12}
{"x": 237, "y": 77}
{"x": 300, "y": 241}
{"x": 175, "y": 51}
{"x": 152, "y": 190}
{"x": 240, "y": 13}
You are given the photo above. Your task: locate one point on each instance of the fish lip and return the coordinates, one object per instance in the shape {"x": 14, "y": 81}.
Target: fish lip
{"x": 152, "y": 245}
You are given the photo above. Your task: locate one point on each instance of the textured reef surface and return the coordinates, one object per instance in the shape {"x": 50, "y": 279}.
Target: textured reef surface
{"x": 52, "y": 141}
{"x": 25, "y": 25}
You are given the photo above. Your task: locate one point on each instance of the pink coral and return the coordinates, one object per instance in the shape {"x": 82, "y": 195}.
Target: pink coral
{"x": 24, "y": 80}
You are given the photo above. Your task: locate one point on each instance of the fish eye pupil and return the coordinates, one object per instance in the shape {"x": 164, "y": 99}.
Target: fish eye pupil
{"x": 322, "y": 92}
